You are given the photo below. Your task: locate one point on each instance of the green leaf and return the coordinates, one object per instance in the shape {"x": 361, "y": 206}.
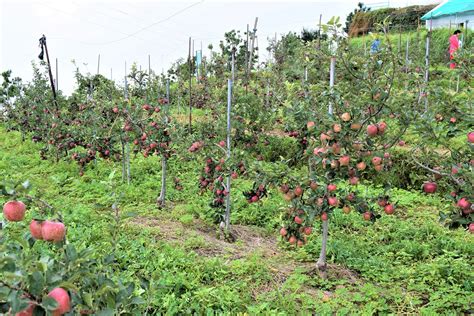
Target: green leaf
{"x": 106, "y": 312}
{"x": 49, "y": 303}
{"x": 36, "y": 282}
{"x": 87, "y": 297}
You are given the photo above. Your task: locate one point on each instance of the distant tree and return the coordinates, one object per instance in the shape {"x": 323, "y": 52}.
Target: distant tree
{"x": 360, "y": 8}
{"x": 311, "y": 35}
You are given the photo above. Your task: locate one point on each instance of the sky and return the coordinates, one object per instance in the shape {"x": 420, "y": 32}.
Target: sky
{"x": 129, "y": 31}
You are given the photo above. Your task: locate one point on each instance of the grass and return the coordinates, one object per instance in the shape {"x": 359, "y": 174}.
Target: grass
{"x": 402, "y": 264}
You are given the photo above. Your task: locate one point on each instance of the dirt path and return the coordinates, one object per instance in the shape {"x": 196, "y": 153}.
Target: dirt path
{"x": 205, "y": 241}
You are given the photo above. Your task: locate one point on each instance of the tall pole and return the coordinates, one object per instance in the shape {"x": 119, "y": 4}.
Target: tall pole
{"x": 233, "y": 63}
{"x": 319, "y": 31}
{"x": 57, "y": 80}
{"x": 427, "y": 63}
{"x": 111, "y": 74}
{"x": 43, "y": 43}
{"x": 252, "y": 45}
{"x": 98, "y": 64}
{"x": 246, "y": 58}
{"x": 332, "y": 71}
{"x": 190, "y": 85}
{"x": 407, "y": 57}
{"x": 229, "y": 105}
{"x": 126, "y": 84}
{"x": 149, "y": 66}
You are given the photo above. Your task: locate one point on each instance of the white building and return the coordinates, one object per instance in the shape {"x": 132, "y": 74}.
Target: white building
{"x": 454, "y": 13}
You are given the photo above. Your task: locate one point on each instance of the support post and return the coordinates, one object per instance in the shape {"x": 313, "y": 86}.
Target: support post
{"x": 249, "y": 65}
{"x": 57, "y": 79}
{"x": 332, "y": 71}
{"x": 190, "y": 86}
{"x": 229, "y": 106}
{"x": 43, "y": 44}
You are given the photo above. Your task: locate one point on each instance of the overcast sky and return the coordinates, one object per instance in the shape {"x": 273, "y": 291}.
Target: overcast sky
{"x": 128, "y": 30}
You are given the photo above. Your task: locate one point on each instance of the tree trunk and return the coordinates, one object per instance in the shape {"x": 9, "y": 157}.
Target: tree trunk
{"x": 161, "y": 198}
{"x": 321, "y": 263}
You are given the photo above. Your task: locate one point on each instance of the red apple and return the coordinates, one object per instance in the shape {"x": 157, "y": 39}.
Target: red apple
{"x": 471, "y": 228}
{"x": 381, "y": 127}
{"x": 222, "y": 143}
{"x": 115, "y": 110}
{"x": 463, "y": 203}
{"x": 53, "y": 231}
{"x": 367, "y": 216}
{"x": 284, "y": 188}
{"x": 372, "y": 130}
{"x": 307, "y": 230}
{"x": 310, "y": 125}
{"x": 300, "y": 243}
{"x": 324, "y": 216}
{"x": 292, "y": 240}
{"x": 331, "y": 187}
{"x": 298, "y": 220}
{"x": 346, "y": 209}
{"x": 27, "y": 311}
{"x": 388, "y": 209}
{"x": 283, "y": 231}
{"x": 430, "y": 187}
{"x": 346, "y": 117}
{"x": 376, "y": 161}
{"x": 61, "y": 296}
{"x": 353, "y": 180}
{"x": 298, "y": 191}
{"x": 361, "y": 166}
{"x": 332, "y": 201}
{"x": 254, "y": 199}
{"x": 14, "y": 211}
{"x": 36, "y": 229}
{"x": 470, "y": 137}
{"x": 344, "y": 160}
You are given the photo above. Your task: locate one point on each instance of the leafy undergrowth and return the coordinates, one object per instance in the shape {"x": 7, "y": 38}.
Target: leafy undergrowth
{"x": 403, "y": 264}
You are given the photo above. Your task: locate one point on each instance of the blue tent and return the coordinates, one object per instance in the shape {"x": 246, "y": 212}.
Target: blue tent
{"x": 449, "y": 7}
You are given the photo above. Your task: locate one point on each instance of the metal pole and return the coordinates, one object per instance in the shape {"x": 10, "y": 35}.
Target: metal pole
{"x": 246, "y": 55}
{"x": 126, "y": 84}
{"x": 168, "y": 90}
{"x": 233, "y": 64}
{"x": 43, "y": 42}
{"x": 149, "y": 66}
{"x": 427, "y": 63}
{"x": 252, "y": 45}
{"x": 57, "y": 80}
{"x": 407, "y": 59}
{"x": 98, "y": 64}
{"x": 331, "y": 81}
{"x": 111, "y": 74}
{"x": 190, "y": 85}
{"x": 229, "y": 105}
{"x": 319, "y": 31}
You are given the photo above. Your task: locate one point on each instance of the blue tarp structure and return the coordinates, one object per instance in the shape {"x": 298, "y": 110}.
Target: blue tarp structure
{"x": 449, "y": 7}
